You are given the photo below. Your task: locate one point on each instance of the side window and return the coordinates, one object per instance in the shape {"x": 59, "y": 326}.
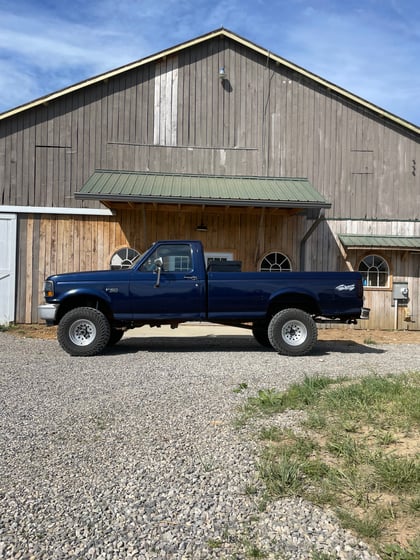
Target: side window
{"x": 176, "y": 258}
{"x": 375, "y": 271}
{"x": 275, "y": 262}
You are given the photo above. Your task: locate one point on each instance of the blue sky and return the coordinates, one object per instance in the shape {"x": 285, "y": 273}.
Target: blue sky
{"x": 369, "y": 47}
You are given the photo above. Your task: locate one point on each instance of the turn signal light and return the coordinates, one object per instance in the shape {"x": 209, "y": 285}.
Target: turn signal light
{"x": 48, "y": 288}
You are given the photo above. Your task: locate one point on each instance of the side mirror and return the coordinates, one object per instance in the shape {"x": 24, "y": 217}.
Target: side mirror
{"x": 159, "y": 266}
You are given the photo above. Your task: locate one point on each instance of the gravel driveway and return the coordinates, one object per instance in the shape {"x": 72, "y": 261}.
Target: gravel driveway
{"x": 134, "y": 454}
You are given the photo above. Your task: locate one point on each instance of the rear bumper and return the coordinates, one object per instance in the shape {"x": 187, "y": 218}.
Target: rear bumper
{"x": 364, "y": 313}
{"x": 47, "y": 312}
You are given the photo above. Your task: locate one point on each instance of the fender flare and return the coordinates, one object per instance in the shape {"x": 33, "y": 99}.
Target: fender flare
{"x": 84, "y": 292}
{"x": 294, "y": 295}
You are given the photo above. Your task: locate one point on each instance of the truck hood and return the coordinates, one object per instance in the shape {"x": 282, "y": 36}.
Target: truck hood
{"x": 91, "y": 276}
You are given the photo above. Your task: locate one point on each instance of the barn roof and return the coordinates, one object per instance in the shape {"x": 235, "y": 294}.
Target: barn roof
{"x": 389, "y": 242}
{"x": 222, "y": 32}
{"x": 174, "y": 188}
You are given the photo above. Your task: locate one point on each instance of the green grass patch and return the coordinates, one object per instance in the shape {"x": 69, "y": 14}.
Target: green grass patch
{"x": 298, "y": 396}
{"x": 359, "y": 454}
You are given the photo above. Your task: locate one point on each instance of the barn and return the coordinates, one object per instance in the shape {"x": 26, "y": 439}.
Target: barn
{"x": 216, "y": 139}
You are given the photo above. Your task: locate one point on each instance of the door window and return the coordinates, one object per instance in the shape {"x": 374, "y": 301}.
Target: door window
{"x": 176, "y": 258}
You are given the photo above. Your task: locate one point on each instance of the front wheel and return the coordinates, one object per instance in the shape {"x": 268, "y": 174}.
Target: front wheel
{"x": 292, "y": 332}
{"x": 83, "y": 331}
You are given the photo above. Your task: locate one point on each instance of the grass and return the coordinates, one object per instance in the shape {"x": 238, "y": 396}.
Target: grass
{"x": 369, "y": 340}
{"x": 359, "y": 454}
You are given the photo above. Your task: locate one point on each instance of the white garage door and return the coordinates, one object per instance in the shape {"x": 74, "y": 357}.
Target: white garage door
{"x": 7, "y": 267}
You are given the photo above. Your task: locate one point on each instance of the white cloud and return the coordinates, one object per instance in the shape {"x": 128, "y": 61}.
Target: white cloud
{"x": 53, "y": 42}
{"x": 15, "y": 86}
{"x": 47, "y": 53}
{"x": 358, "y": 52}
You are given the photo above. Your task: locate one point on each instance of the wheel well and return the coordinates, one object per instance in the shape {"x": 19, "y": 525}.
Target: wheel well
{"x": 83, "y": 301}
{"x": 297, "y": 301}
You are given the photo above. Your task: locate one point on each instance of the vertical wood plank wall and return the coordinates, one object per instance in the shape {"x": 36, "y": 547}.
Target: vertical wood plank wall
{"x": 404, "y": 266}
{"x": 263, "y": 119}
{"x": 56, "y": 244}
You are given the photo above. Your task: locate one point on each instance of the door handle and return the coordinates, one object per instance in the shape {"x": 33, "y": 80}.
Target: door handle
{"x": 190, "y": 278}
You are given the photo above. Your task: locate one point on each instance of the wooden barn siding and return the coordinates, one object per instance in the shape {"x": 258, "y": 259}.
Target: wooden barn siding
{"x": 323, "y": 254}
{"x": 55, "y": 244}
{"x": 265, "y": 120}
{"x": 248, "y": 234}
{"x": 50, "y": 244}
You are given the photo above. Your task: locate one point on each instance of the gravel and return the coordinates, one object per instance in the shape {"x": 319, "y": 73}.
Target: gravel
{"x": 135, "y": 453}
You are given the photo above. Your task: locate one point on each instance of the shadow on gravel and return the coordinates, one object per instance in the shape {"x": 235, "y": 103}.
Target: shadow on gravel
{"x": 223, "y": 343}
{"x": 216, "y": 343}
{"x": 344, "y": 347}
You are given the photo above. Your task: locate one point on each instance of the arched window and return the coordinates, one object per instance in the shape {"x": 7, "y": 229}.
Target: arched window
{"x": 124, "y": 258}
{"x": 375, "y": 271}
{"x": 275, "y": 262}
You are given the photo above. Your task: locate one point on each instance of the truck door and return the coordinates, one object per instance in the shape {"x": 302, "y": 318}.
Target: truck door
{"x": 181, "y": 291}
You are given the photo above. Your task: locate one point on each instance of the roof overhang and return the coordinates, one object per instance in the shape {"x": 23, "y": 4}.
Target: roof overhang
{"x": 203, "y": 190}
{"x": 384, "y": 242}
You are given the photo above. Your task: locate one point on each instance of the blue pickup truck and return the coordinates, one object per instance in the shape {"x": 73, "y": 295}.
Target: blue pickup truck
{"x": 170, "y": 284}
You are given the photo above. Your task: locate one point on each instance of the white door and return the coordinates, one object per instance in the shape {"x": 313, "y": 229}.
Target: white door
{"x": 7, "y": 267}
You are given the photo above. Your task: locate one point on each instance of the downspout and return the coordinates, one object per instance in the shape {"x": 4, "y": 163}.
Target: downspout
{"x": 320, "y": 218}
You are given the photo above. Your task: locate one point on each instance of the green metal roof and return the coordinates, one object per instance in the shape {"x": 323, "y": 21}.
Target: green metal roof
{"x": 170, "y": 188}
{"x": 390, "y": 242}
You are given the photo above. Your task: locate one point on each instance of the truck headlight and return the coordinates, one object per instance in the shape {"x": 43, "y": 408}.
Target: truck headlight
{"x": 48, "y": 288}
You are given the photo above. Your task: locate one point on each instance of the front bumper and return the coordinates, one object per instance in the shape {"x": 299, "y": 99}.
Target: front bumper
{"x": 47, "y": 312}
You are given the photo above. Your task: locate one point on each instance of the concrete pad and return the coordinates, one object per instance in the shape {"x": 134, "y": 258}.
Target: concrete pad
{"x": 187, "y": 329}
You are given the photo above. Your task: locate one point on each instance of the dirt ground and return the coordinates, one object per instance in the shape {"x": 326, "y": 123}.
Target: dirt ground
{"x": 370, "y": 336}
{"x": 341, "y": 333}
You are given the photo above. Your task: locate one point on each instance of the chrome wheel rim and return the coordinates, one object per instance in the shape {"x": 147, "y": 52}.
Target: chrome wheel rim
{"x": 294, "y": 332}
{"x": 82, "y": 332}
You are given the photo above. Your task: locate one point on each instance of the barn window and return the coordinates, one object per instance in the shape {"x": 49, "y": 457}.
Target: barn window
{"x": 375, "y": 271}
{"x": 275, "y": 262}
{"x": 124, "y": 258}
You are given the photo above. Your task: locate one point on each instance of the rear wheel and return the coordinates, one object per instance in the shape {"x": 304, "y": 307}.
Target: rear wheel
{"x": 292, "y": 332}
{"x": 83, "y": 331}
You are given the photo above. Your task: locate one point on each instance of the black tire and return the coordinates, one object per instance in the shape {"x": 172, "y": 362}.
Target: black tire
{"x": 116, "y": 336}
{"x": 292, "y": 332}
{"x": 83, "y": 331}
{"x": 260, "y": 332}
